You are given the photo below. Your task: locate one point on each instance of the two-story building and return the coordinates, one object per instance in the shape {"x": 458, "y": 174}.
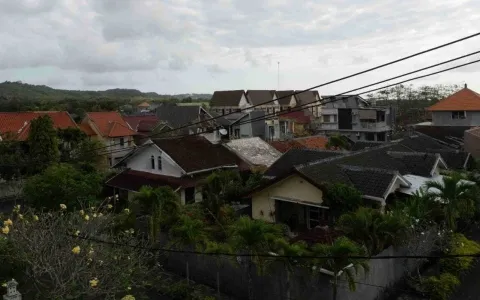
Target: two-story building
{"x": 225, "y": 102}
{"x": 180, "y": 163}
{"x": 110, "y": 128}
{"x": 352, "y": 116}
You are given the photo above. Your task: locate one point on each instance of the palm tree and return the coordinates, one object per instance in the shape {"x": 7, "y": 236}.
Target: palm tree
{"x": 289, "y": 256}
{"x": 254, "y": 238}
{"x": 373, "y": 229}
{"x": 455, "y": 195}
{"x": 337, "y": 259}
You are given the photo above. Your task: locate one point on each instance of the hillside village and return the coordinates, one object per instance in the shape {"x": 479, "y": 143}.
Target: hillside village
{"x": 293, "y": 173}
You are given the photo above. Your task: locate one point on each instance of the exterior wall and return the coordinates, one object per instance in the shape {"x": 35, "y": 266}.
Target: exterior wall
{"x": 141, "y": 162}
{"x": 444, "y": 118}
{"x": 243, "y": 102}
{"x": 293, "y": 187}
{"x": 472, "y": 144}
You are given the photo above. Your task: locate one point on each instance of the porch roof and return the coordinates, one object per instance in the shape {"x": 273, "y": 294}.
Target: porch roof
{"x": 298, "y": 201}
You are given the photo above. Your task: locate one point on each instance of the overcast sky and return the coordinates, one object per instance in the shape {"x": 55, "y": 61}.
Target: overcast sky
{"x": 180, "y": 46}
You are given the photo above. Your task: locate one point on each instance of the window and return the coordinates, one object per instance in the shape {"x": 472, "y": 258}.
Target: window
{"x": 152, "y": 161}
{"x": 314, "y": 217}
{"x": 159, "y": 162}
{"x": 189, "y": 195}
{"x": 122, "y": 141}
{"x": 458, "y": 115}
{"x": 237, "y": 132}
{"x": 129, "y": 142}
{"x": 380, "y": 116}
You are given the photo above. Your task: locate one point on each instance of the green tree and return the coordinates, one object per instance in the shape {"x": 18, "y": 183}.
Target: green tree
{"x": 62, "y": 184}
{"x": 338, "y": 142}
{"x": 342, "y": 198}
{"x": 339, "y": 261}
{"x": 43, "y": 144}
{"x": 218, "y": 189}
{"x": 255, "y": 238}
{"x": 373, "y": 229}
{"x": 456, "y": 197}
{"x": 12, "y": 159}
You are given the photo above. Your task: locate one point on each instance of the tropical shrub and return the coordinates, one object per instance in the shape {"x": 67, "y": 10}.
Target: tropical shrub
{"x": 440, "y": 287}
{"x": 342, "y": 198}
{"x": 458, "y": 244}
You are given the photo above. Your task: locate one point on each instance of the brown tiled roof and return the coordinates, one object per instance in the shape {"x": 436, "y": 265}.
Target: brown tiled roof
{"x": 133, "y": 180}
{"x": 465, "y": 99}
{"x": 306, "y": 97}
{"x": 258, "y": 97}
{"x": 226, "y": 98}
{"x": 110, "y": 124}
{"x": 195, "y": 153}
{"x": 314, "y": 142}
{"x": 284, "y": 97}
{"x": 134, "y": 121}
{"x": 144, "y": 104}
{"x": 18, "y": 123}
{"x": 284, "y": 146}
{"x": 85, "y": 127}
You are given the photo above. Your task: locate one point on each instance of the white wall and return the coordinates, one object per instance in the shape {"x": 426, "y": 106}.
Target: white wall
{"x": 243, "y": 102}
{"x": 142, "y": 162}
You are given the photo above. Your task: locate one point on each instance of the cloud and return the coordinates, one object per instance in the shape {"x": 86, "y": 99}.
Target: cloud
{"x": 92, "y": 43}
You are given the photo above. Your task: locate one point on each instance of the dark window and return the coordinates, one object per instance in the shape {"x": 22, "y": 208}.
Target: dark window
{"x": 370, "y": 136}
{"x": 381, "y": 136}
{"x": 159, "y": 162}
{"x": 458, "y": 115}
{"x": 189, "y": 195}
{"x": 237, "y": 132}
{"x": 122, "y": 142}
{"x": 152, "y": 160}
{"x": 223, "y": 111}
{"x": 380, "y": 116}
{"x": 315, "y": 216}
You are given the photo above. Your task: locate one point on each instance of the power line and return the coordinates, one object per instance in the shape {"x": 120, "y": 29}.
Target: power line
{"x": 321, "y": 85}
{"x": 360, "y": 257}
{"x": 306, "y": 106}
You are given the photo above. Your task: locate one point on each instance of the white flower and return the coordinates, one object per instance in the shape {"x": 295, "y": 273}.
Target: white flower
{"x": 63, "y": 206}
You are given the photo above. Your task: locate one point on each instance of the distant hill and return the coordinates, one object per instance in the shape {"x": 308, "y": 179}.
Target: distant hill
{"x": 28, "y": 92}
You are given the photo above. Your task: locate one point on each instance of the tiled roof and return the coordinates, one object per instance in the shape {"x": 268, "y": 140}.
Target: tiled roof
{"x": 110, "y": 124}
{"x": 258, "y": 97}
{"x": 133, "y": 180}
{"x": 465, "y": 99}
{"x": 306, "y": 97}
{"x": 254, "y": 150}
{"x": 144, "y": 104}
{"x": 361, "y": 145}
{"x": 295, "y": 157}
{"x": 284, "y": 146}
{"x": 450, "y": 135}
{"x": 314, "y": 142}
{"x": 370, "y": 181}
{"x": 177, "y": 116}
{"x": 18, "y": 123}
{"x": 284, "y": 97}
{"x": 226, "y": 98}
{"x": 147, "y": 125}
{"x": 195, "y": 153}
{"x": 87, "y": 129}
{"x": 298, "y": 116}
{"x": 134, "y": 121}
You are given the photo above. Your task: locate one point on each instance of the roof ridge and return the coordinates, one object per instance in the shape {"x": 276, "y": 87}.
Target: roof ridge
{"x": 363, "y": 168}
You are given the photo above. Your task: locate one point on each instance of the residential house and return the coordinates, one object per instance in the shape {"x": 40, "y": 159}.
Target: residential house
{"x": 111, "y": 129}
{"x": 286, "y": 99}
{"x": 255, "y": 151}
{"x": 142, "y": 123}
{"x": 352, "y": 116}
{"x": 459, "y": 109}
{"x": 297, "y": 123}
{"x": 311, "y": 101}
{"x": 143, "y": 107}
{"x": 181, "y": 163}
{"x": 295, "y": 195}
{"x": 243, "y": 124}
{"x": 225, "y": 102}
{"x": 16, "y": 125}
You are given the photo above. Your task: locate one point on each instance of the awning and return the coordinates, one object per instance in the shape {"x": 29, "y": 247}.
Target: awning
{"x": 301, "y": 202}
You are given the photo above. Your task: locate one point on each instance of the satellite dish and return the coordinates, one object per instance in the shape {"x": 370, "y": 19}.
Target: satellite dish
{"x": 223, "y": 131}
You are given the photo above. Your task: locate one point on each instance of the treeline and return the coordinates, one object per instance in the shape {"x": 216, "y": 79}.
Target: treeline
{"x": 18, "y": 96}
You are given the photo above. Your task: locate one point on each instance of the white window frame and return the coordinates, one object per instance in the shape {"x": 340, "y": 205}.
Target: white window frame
{"x": 459, "y": 115}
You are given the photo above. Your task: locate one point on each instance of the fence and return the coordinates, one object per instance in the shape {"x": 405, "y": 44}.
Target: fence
{"x": 233, "y": 278}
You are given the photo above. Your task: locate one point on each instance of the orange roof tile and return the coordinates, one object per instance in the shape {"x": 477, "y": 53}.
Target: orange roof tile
{"x": 465, "y": 99}
{"x": 110, "y": 124}
{"x": 144, "y": 104}
{"x": 314, "y": 142}
{"x": 87, "y": 129}
{"x": 284, "y": 146}
{"x": 18, "y": 123}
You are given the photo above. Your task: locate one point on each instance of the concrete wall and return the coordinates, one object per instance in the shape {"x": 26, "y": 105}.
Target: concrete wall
{"x": 303, "y": 283}
{"x": 444, "y": 118}
{"x": 471, "y": 144}
{"x": 292, "y": 187}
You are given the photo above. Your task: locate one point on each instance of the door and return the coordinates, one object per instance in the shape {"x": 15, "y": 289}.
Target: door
{"x": 189, "y": 195}
{"x": 344, "y": 118}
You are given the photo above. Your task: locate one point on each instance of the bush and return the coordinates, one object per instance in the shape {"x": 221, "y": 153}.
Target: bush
{"x": 458, "y": 245}
{"x": 440, "y": 288}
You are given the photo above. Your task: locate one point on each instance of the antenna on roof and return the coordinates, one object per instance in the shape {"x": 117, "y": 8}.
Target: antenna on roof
{"x": 278, "y": 75}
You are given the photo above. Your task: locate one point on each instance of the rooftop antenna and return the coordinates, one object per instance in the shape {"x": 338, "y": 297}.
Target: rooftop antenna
{"x": 278, "y": 75}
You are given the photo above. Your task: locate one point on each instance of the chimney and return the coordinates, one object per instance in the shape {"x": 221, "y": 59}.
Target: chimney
{"x": 465, "y": 85}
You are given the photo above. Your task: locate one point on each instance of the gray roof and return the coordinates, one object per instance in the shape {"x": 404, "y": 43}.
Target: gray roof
{"x": 176, "y": 116}
{"x": 306, "y": 97}
{"x": 258, "y": 97}
{"x": 284, "y": 97}
{"x": 254, "y": 150}
{"x": 226, "y": 98}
